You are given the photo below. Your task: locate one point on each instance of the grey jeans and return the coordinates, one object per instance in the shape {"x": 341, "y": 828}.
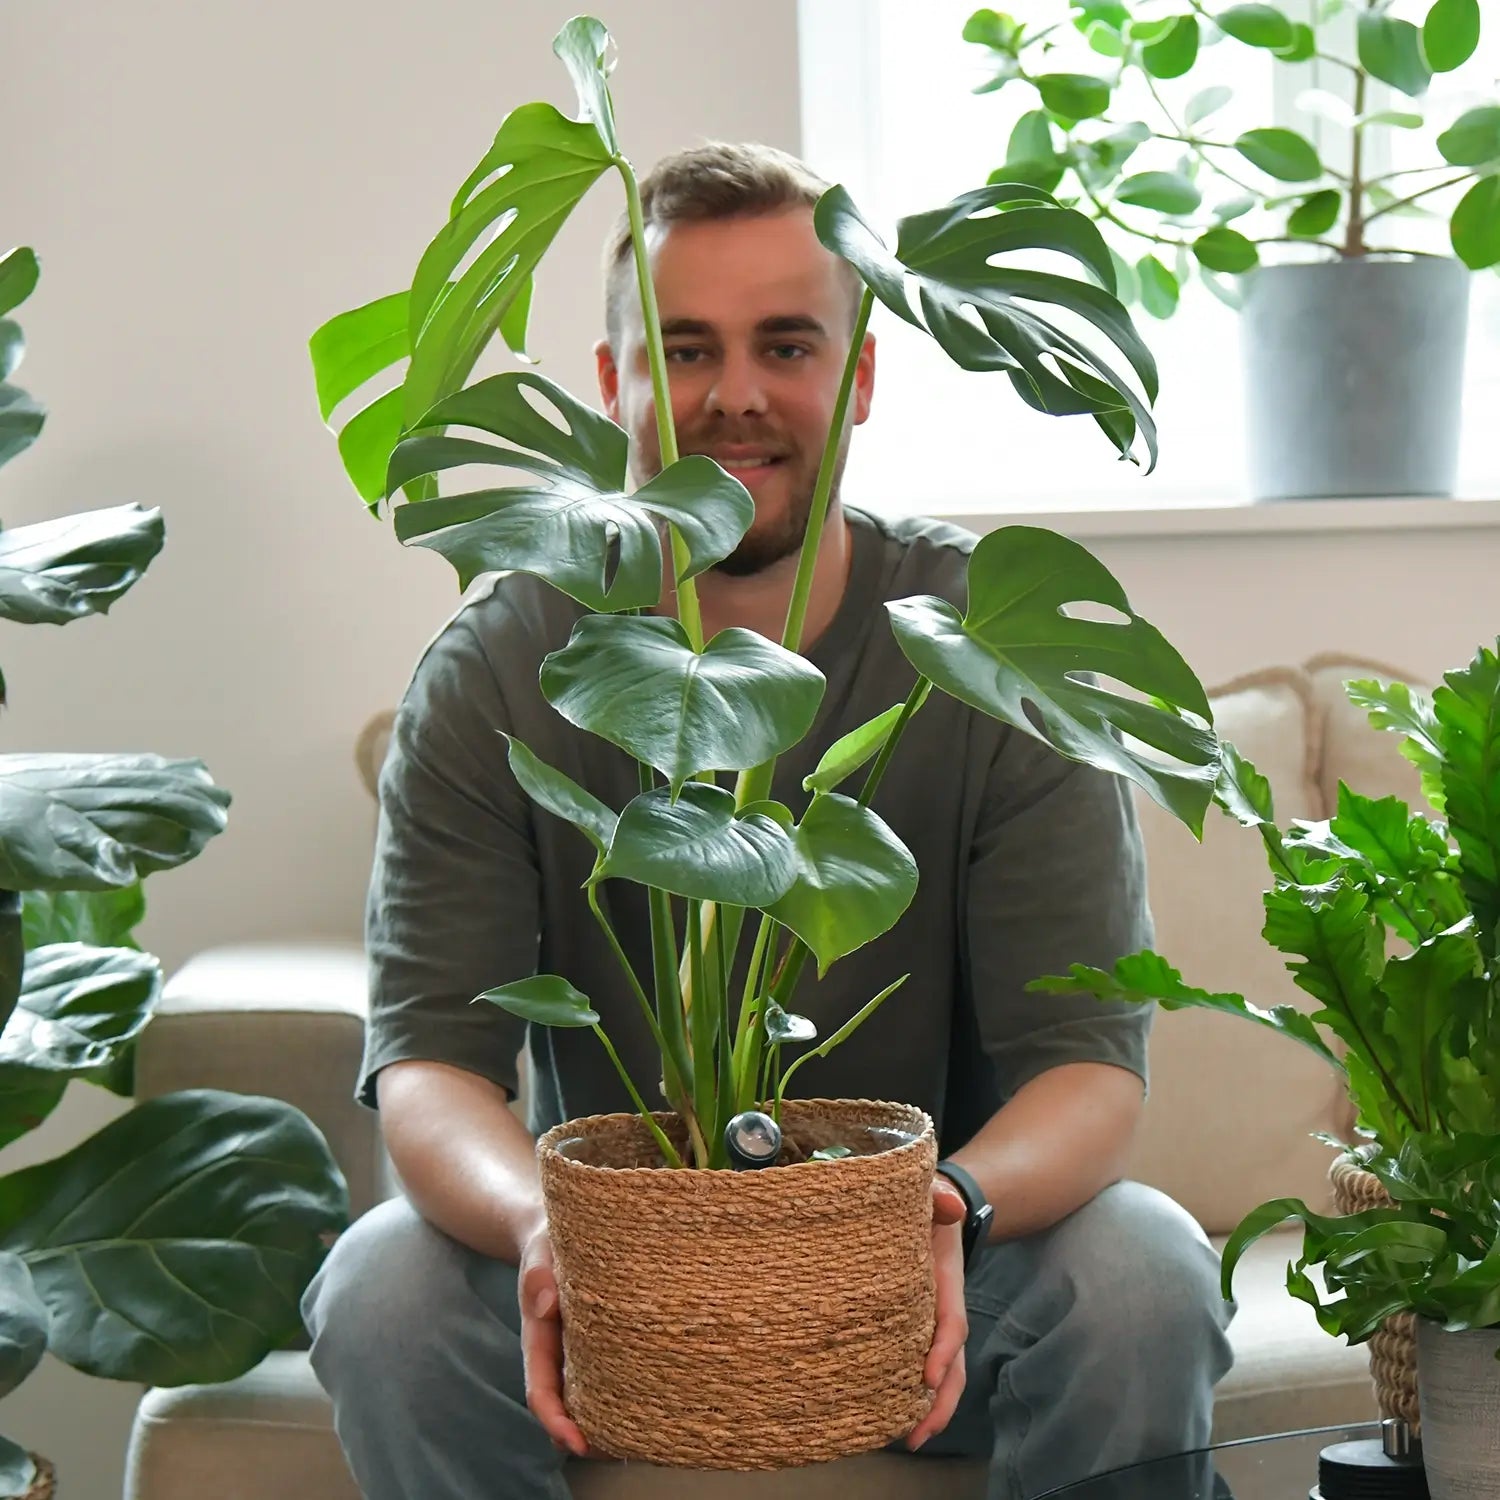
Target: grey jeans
{"x": 1092, "y": 1345}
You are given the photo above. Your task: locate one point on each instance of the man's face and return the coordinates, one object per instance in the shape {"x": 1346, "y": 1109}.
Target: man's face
{"x": 756, "y": 318}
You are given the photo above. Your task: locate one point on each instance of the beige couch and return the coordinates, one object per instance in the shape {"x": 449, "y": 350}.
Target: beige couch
{"x": 1228, "y": 1125}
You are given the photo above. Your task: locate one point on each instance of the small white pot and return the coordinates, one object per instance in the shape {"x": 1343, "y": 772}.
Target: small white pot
{"x": 1458, "y": 1378}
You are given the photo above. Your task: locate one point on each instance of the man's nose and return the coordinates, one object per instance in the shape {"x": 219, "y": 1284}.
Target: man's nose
{"x": 738, "y": 390}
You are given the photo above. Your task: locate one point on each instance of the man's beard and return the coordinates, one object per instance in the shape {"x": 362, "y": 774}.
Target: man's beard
{"x": 763, "y": 546}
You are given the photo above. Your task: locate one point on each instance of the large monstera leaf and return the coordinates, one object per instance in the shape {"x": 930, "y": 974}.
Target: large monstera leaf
{"x": 1018, "y": 655}
{"x": 96, "y": 822}
{"x": 575, "y": 524}
{"x": 61, "y": 570}
{"x": 637, "y": 682}
{"x": 949, "y": 253}
{"x": 535, "y": 172}
{"x": 173, "y": 1246}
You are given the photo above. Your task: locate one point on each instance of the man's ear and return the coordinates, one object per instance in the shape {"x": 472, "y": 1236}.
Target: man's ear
{"x": 864, "y": 379}
{"x": 609, "y": 379}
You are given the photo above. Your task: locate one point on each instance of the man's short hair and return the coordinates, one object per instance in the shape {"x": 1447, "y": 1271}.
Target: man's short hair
{"x": 718, "y": 180}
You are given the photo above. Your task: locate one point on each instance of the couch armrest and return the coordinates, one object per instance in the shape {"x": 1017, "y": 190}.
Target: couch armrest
{"x": 281, "y": 1019}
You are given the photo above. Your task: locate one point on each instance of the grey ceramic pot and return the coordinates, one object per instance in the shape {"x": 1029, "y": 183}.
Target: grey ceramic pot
{"x": 1354, "y": 377}
{"x": 1458, "y": 1378}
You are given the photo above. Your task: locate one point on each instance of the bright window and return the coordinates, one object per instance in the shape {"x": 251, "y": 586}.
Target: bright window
{"x": 888, "y": 110}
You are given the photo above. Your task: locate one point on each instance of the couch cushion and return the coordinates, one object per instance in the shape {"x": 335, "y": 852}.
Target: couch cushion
{"x": 1369, "y": 760}
{"x": 270, "y": 1432}
{"x": 1233, "y": 1107}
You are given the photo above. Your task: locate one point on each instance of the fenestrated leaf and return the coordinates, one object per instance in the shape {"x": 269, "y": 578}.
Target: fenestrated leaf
{"x": 854, "y": 879}
{"x": 1419, "y": 986}
{"x": 61, "y": 570}
{"x": 544, "y": 1000}
{"x": 1281, "y": 153}
{"x": 102, "y": 919}
{"x": 696, "y": 846}
{"x": 1017, "y": 649}
{"x": 1398, "y": 707}
{"x": 1450, "y": 34}
{"x": 847, "y": 754}
{"x": 1166, "y": 192}
{"x": 562, "y": 796}
{"x": 18, "y": 276}
{"x": 1391, "y": 50}
{"x": 21, "y": 420}
{"x": 637, "y": 682}
{"x": 1147, "y": 978}
{"x": 174, "y": 1244}
{"x": 1467, "y": 707}
{"x": 91, "y": 822}
{"x": 1256, "y": 25}
{"x": 1475, "y": 227}
{"x": 23, "y": 1323}
{"x": 576, "y": 526}
{"x": 1473, "y": 138}
{"x": 782, "y": 1027}
{"x": 79, "y": 1008}
{"x": 948, "y": 252}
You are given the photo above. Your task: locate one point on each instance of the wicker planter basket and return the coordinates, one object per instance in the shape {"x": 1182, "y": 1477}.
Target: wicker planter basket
{"x": 1393, "y": 1346}
{"x": 745, "y": 1320}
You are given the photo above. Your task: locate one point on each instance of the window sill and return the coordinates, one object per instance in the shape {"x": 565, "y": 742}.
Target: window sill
{"x": 1231, "y": 517}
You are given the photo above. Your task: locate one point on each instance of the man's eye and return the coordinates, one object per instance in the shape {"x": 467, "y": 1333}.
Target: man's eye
{"x": 788, "y": 352}
{"x": 684, "y": 354}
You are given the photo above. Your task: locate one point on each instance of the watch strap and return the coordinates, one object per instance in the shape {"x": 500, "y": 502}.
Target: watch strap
{"x": 977, "y": 1210}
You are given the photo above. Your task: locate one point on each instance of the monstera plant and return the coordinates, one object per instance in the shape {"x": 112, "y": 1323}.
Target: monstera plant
{"x": 173, "y": 1245}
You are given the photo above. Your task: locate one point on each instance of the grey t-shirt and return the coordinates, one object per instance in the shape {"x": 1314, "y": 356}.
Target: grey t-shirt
{"x": 1028, "y": 862}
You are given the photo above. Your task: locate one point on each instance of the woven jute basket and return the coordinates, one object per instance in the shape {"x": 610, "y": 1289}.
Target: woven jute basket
{"x": 745, "y": 1320}
{"x": 44, "y": 1485}
{"x": 1393, "y": 1346}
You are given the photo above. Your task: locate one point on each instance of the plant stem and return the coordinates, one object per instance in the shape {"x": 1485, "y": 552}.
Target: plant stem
{"x": 701, "y": 1029}
{"x": 1436, "y": 187}
{"x": 686, "y": 590}
{"x": 667, "y": 1149}
{"x": 1171, "y": 120}
{"x": 630, "y": 974}
{"x": 1354, "y": 240}
{"x": 749, "y": 1017}
{"x": 844, "y": 1032}
{"x": 914, "y": 700}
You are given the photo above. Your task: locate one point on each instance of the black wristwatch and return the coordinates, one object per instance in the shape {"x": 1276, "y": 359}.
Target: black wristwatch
{"x": 978, "y": 1214}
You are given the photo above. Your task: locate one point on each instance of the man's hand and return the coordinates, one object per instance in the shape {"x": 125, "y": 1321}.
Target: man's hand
{"x": 944, "y": 1370}
{"x": 541, "y": 1344}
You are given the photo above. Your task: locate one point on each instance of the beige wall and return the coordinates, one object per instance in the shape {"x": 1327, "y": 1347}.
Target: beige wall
{"x": 206, "y": 183}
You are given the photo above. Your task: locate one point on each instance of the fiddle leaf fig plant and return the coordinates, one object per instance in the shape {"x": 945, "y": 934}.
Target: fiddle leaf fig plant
{"x": 1132, "y": 138}
{"x": 723, "y": 862}
{"x": 1390, "y": 920}
{"x": 173, "y": 1245}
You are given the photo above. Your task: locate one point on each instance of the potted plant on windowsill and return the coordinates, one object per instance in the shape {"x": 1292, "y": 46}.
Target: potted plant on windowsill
{"x": 1353, "y": 331}
{"x": 648, "y": 1371}
{"x": 172, "y": 1246}
{"x": 1391, "y": 920}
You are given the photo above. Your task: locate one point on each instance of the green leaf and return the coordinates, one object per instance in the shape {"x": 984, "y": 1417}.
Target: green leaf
{"x": 1473, "y": 139}
{"x": 1241, "y": 791}
{"x": 854, "y": 879}
{"x": 1256, "y": 26}
{"x": 1397, "y": 118}
{"x": 1159, "y": 289}
{"x": 26, "y": 1100}
{"x": 1467, "y": 708}
{"x": 697, "y": 847}
{"x": 1225, "y": 250}
{"x": 17, "y": 1470}
{"x": 79, "y": 1008}
{"x": 354, "y": 346}
{"x": 102, "y": 919}
{"x": 23, "y": 1323}
{"x": 18, "y": 276}
{"x": 948, "y": 253}
{"x": 1176, "y": 52}
{"x": 847, "y": 754}
{"x": 1234, "y": 208}
{"x": 91, "y": 822}
{"x": 1030, "y": 156}
{"x": 544, "y": 1000}
{"x": 561, "y": 795}
{"x": 1316, "y": 214}
{"x": 1419, "y": 986}
{"x": 174, "y": 1244}
{"x": 1391, "y": 51}
{"x": 21, "y": 420}
{"x": 1450, "y": 34}
{"x": 1074, "y": 96}
{"x": 1148, "y": 979}
{"x": 583, "y": 47}
{"x": 577, "y": 526}
{"x": 1099, "y": 161}
{"x": 1207, "y": 102}
{"x": 782, "y": 1028}
{"x": 1127, "y": 283}
{"x": 991, "y": 29}
{"x": 1302, "y": 47}
{"x": 56, "y": 571}
{"x": 637, "y": 682}
{"x": 830, "y": 1153}
{"x": 12, "y": 348}
{"x": 1166, "y": 192}
{"x": 1282, "y": 153}
{"x": 1397, "y": 707}
{"x": 1020, "y": 657}
{"x": 1104, "y": 39}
